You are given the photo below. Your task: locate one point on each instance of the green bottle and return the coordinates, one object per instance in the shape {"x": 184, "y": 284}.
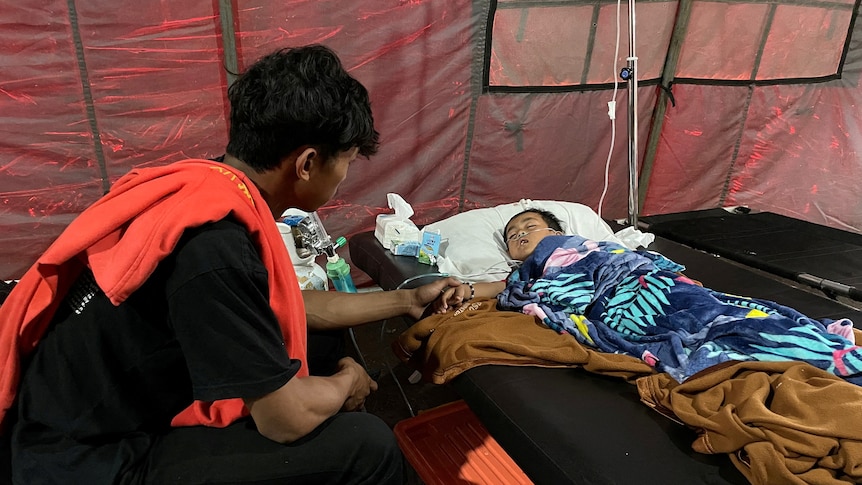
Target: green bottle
{"x": 337, "y": 268}
{"x": 339, "y": 272}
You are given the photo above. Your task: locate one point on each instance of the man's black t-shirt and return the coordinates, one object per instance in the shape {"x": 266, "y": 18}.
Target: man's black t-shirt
{"x": 106, "y": 380}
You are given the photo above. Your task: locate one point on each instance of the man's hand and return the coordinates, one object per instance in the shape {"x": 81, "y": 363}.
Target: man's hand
{"x": 422, "y": 296}
{"x": 363, "y": 384}
{"x": 327, "y": 310}
{"x": 452, "y": 298}
{"x": 301, "y": 404}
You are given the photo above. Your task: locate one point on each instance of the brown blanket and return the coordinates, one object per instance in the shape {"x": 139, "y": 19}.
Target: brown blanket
{"x": 443, "y": 346}
{"x": 780, "y": 422}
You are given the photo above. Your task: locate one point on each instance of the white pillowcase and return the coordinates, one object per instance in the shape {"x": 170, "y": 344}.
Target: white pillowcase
{"x": 473, "y": 249}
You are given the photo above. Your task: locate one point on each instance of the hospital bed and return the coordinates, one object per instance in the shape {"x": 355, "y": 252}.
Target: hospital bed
{"x": 565, "y": 425}
{"x": 822, "y": 257}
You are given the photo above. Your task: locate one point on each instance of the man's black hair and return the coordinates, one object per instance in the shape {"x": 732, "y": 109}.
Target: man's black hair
{"x": 295, "y": 97}
{"x": 550, "y": 219}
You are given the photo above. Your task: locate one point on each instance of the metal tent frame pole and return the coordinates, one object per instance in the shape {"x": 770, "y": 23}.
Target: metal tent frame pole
{"x": 630, "y": 75}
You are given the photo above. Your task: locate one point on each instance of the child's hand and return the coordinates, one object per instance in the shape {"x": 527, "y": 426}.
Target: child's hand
{"x": 453, "y": 297}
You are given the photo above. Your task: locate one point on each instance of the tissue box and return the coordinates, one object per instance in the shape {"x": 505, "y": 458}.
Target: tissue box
{"x": 390, "y": 228}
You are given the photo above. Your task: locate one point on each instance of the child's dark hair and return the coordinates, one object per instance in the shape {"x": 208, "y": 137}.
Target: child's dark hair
{"x": 550, "y": 219}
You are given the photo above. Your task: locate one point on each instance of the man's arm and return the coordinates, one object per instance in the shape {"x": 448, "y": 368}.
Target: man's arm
{"x": 334, "y": 309}
{"x": 302, "y": 404}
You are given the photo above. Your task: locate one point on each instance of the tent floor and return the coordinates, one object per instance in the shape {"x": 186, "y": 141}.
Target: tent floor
{"x": 387, "y": 402}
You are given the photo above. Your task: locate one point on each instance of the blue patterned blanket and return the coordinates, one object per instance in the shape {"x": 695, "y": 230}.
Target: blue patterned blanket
{"x": 637, "y": 302}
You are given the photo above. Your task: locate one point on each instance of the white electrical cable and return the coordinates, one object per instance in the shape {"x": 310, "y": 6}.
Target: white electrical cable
{"x": 612, "y": 106}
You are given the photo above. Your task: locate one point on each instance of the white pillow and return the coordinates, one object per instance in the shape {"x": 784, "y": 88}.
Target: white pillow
{"x": 473, "y": 249}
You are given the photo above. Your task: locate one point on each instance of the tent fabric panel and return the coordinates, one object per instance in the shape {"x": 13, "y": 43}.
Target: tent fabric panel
{"x": 727, "y": 51}
{"x": 553, "y": 146}
{"x": 157, "y": 81}
{"x": 703, "y": 126}
{"x": 804, "y": 42}
{"x": 33, "y": 219}
{"x": 787, "y": 166}
{"x": 156, "y": 102}
{"x": 824, "y": 184}
{"x": 539, "y": 46}
{"x": 764, "y": 41}
{"x": 653, "y": 29}
{"x": 46, "y": 139}
{"x": 419, "y": 80}
{"x": 48, "y": 169}
{"x": 562, "y": 45}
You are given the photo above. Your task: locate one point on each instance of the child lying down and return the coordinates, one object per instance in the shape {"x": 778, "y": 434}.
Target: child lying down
{"x": 638, "y": 303}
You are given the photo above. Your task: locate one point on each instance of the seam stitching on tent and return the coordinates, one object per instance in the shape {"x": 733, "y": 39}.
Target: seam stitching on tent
{"x": 480, "y": 68}
{"x": 736, "y": 145}
{"x": 88, "y": 96}
{"x": 228, "y": 39}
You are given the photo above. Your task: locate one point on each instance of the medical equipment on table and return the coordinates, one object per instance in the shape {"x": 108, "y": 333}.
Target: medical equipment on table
{"x": 300, "y": 237}
{"x": 316, "y": 239}
{"x": 309, "y": 240}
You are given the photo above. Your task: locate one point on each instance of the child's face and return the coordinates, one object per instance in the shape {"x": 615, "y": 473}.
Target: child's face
{"x": 523, "y": 234}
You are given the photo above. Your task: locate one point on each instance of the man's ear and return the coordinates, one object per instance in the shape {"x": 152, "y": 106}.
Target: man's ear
{"x": 305, "y": 162}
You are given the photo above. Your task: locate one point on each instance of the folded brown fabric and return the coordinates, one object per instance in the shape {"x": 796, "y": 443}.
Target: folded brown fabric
{"x": 781, "y": 422}
{"x": 442, "y": 346}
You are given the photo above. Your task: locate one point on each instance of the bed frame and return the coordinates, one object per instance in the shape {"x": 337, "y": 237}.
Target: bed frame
{"x": 570, "y": 426}
{"x": 824, "y": 258}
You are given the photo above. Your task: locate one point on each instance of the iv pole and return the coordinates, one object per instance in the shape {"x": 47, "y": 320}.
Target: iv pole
{"x": 629, "y": 74}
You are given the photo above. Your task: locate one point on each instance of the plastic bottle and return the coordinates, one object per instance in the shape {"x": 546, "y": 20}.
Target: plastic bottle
{"x": 339, "y": 271}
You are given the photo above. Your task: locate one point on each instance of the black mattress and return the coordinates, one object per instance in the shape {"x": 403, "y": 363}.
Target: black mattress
{"x": 570, "y": 426}
{"x": 823, "y": 257}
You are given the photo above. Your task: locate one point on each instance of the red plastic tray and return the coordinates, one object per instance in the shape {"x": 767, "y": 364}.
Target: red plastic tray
{"x": 448, "y": 445}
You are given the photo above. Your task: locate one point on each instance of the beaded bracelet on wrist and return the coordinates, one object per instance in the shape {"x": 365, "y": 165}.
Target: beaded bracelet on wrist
{"x": 472, "y": 290}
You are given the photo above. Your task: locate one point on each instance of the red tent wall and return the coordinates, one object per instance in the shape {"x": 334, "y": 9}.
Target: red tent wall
{"x": 788, "y": 149}
{"x": 86, "y": 94}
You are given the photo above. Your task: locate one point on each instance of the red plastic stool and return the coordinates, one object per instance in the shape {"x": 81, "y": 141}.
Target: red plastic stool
{"x": 448, "y": 445}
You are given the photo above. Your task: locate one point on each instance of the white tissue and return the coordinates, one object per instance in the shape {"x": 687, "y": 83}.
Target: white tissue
{"x": 634, "y": 238}
{"x": 402, "y": 209}
{"x": 397, "y": 227}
